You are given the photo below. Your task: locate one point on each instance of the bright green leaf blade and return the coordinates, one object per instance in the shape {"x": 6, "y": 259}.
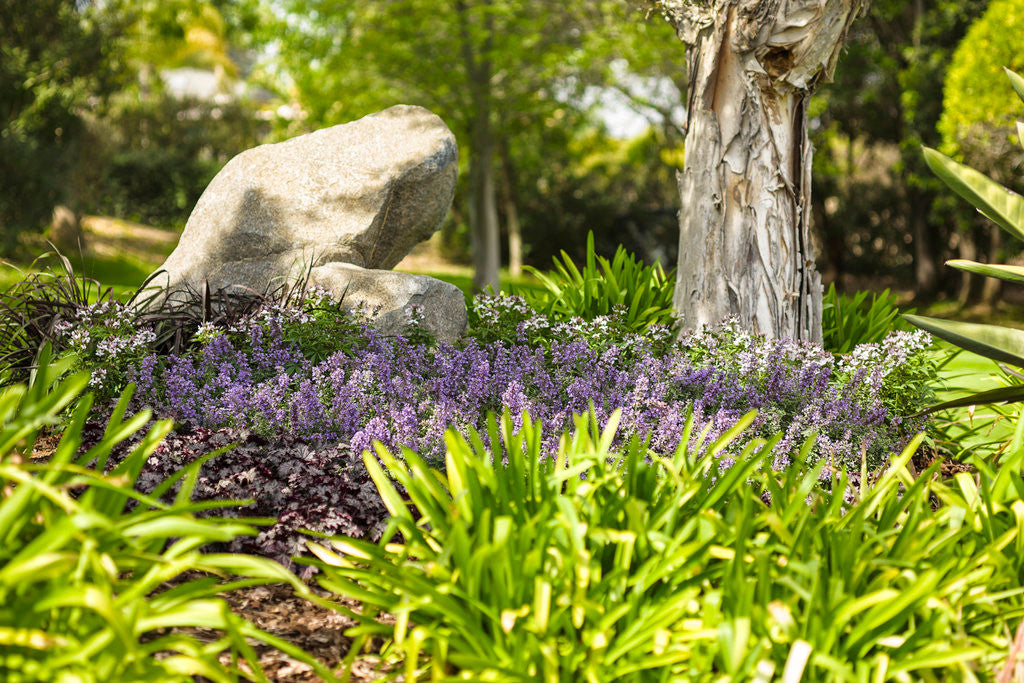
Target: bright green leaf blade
{"x": 1002, "y": 344}
{"x": 1016, "y": 81}
{"x": 1008, "y": 273}
{"x": 1001, "y": 205}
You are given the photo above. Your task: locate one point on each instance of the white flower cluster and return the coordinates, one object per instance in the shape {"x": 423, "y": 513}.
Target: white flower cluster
{"x": 111, "y": 314}
{"x": 881, "y": 359}
{"x": 890, "y": 353}
{"x": 317, "y": 296}
{"x": 207, "y": 332}
{"x": 710, "y": 337}
{"x": 490, "y": 309}
{"x": 280, "y": 314}
{"x": 114, "y": 346}
{"x": 80, "y": 337}
{"x": 99, "y": 375}
{"x": 414, "y": 314}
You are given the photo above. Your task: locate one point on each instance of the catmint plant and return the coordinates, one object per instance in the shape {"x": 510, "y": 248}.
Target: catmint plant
{"x": 405, "y": 391}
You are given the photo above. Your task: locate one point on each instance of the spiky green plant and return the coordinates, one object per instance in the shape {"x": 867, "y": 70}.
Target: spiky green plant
{"x": 642, "y": 293}
{"x": 1006, "y": 209}
{"x": 619, "y": 565}
{"x": 96, "y": 579}
{"x": 847, "y": 321}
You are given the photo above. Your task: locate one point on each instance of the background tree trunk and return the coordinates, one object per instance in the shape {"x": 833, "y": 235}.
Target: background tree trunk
{"x": 515, "y": 233}
{"x": 967, "y": 249}
{"x": 477, "y": 43}
{"x": 992, "y": 287}
{"x": 926, "y": 263}
{"x": 483, "y": 217}
{"x": 744, "y": 242}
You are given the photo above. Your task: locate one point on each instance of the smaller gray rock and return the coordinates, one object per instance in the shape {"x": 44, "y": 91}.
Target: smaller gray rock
{"x": 390, "y": 295}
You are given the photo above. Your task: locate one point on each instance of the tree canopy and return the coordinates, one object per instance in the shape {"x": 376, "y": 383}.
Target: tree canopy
{"x": 979, "y": 111}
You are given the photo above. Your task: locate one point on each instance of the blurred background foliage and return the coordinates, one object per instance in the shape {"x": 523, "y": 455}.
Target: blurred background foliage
{"x": 569, "y": 118}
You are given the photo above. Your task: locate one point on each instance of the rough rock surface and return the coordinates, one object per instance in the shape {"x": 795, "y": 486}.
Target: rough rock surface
{"x": 390, "y": 295}
{"x": 363, "y": 193}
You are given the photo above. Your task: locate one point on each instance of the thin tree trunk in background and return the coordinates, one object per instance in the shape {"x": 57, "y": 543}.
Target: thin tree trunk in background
{"x": 483, "y": 211}
{"x": 992, "y": 287}
{"x": 926, "y": 260}
{"x": 483, "y": 215}
{"x": 926, "y": 270}
{"x": 515, "y": 235}
{"x": 968, "y": 250}
{"x": 744, "y": 243}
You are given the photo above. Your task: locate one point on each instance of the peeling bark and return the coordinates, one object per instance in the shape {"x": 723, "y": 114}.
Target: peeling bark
{"x": 744, "y": 244}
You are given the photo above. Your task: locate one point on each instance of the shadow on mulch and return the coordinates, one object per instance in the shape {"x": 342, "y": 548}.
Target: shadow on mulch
{"x": 926, "y": 457}
{"x": 317, "y": 630}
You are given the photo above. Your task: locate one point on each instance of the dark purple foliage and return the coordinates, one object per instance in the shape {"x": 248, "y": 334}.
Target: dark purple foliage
{"x": 304, "y": 486}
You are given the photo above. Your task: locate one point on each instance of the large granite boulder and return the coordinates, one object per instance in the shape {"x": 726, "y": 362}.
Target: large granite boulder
{"x": 363, "y": 193}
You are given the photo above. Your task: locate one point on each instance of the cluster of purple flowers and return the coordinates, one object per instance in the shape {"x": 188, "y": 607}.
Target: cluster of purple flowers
{"x": 405, "y": 393}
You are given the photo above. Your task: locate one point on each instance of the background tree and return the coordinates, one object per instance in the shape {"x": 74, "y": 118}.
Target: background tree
{"x": 978, "y": 122}
{"x": 498, "y": 72}
{"x": 878, "y": 210}
{"x": 162, "y": 146}
{"x": 745, "y": 244}
{"x": 87, "y": 120}
{"x": 56, "y": 60}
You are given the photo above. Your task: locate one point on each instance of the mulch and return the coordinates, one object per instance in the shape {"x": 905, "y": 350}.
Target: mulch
{"x": 925, "y": 457}
{"x": 317, "y": 630}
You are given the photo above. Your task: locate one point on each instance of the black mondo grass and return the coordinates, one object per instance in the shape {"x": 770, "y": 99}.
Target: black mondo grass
{"x": 32, "y": 309}
{"x": 175, "y": 315}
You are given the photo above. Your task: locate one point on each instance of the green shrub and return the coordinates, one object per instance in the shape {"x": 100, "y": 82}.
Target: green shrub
{"x": 848, "y": 321}
{"x": 93, "y": 576}
{"x": 643, "y": 294}
{"x": 977, "y": 109}
{"x": 627, "y": 566}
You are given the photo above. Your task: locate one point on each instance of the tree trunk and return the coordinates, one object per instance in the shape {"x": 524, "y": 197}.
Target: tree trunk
{"x": 968, "y": 250}
{"x": 515, "y": 233}
{"x": 744, "y": 242}
{"x": 992, "y": 287}
{"x": 483, "y": 216}
{"x": 483, "y": 210}
{"x": 926, "y": 271}
{"x": 66, "y": 230}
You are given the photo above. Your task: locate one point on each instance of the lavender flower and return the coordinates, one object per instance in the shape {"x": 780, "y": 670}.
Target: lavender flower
{"x": 406, "y": 393}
